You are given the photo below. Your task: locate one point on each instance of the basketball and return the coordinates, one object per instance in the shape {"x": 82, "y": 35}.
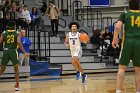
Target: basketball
{"x": 84, "y": 37}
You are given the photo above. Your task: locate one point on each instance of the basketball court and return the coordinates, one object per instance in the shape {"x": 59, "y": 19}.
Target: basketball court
{"x": 96, "y": 83}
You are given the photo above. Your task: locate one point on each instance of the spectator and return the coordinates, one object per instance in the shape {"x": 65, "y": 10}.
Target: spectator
{"x": 53, "y": 12}
{"x": 35, "y": 19}
{"x": 13, "y": 10}
{"x": 107, "y": 35}
{"x": 26, "y": 15}
{"x": 95, "y": 39}
{"x": 20, "y": 20}
{"x": 26, "y": 43}
{"x": 7, "y": 6}
{"x": 19, "y": 12}
{"x": 43, "y": 8}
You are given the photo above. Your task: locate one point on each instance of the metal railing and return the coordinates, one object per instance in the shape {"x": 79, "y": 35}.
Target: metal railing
{"x": 107, "y": 21}
{"x": 77, "y": 10}
{"x": 62, "y": 20}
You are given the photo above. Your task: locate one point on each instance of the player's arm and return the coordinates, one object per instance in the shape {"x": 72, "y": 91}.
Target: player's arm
{"x": 118, "y": 26}
{"x": 116, "y": 32}
{"x": 66, "y": 40}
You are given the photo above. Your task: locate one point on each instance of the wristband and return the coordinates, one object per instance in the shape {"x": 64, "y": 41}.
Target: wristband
{"x": 65, "y": 42}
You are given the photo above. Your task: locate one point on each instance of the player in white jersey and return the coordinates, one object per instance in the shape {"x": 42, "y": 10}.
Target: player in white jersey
{"x": 75, "y": 44}
{"x": 73, "y": 41}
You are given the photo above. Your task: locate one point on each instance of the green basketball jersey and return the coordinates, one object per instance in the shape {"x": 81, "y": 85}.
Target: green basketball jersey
{"x": 131, "y": 19}
{"x": 10, "y": 39}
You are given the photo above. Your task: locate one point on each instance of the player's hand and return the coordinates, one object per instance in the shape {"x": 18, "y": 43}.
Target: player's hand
{"x": 85, "y": 42}
{"x": 115, "y": 44}
{"x": 27, "y": 55}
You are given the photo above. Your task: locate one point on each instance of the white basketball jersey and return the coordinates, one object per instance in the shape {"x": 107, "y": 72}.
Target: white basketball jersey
{"x": 74, "y": 41}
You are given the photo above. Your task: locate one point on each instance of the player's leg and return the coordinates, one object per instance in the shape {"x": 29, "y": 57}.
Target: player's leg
{"x": 16, "y": 77}
{"x": 74, "y": 60}
{"x": 136, "y": 63}
{"x": 120, "y": 78}
{"x": 125, "y": 57}
{"x": 75, "y": 65}
{"x": 21, "y": 58}
{"x": 2, "y": 69}
{"x": 79, "y": 66}
{"x": 15, "y": 62}
{"x": 137, "y": 77}
{"x": 79, "y": 54}
{"x": 84, "y": 76}
{"x": 4, "y": 62}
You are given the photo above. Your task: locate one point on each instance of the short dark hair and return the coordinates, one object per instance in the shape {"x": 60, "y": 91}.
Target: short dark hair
{"x": 74, "y": 23}
{"x": 134, "y": 4}
{"x": 51, "y": 2}
{"x": 11, "y": 24}
{"x": 25, "y": 6}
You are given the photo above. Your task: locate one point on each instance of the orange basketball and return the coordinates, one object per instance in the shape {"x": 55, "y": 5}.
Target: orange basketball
{"x": 84, "y": 37}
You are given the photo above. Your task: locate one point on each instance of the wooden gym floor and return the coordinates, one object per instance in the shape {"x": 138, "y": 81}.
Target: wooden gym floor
{"x": 96, "y": 83}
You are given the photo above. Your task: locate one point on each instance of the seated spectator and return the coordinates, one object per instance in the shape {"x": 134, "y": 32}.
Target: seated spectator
{"x": 13, "y": 10}
{"x": 26, "y": 15}
{"x": 107, "y": 35}
{"x": 20, "y": 19}
{"x": 95, "y": 39}
{"x": 19, "y": 12}
{"x": 106, "y": 42}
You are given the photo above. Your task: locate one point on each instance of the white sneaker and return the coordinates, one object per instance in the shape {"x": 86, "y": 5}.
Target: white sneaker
{"x": 17, "y": 88}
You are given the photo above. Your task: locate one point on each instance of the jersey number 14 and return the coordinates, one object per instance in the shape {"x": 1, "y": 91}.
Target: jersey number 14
{"x": 135, "y": 21}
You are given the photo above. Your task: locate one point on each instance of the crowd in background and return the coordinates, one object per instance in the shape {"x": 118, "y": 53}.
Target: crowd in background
{"x": 15, "y": 9}
{"x": 101, "y": 40}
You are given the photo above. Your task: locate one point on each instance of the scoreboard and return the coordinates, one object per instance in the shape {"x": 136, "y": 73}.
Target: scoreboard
{"x": 97, "y": 3}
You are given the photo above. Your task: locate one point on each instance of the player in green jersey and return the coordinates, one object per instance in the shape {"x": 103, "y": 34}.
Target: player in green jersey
{"x": 11, "y": 40}
{"x": 130, "y": 43}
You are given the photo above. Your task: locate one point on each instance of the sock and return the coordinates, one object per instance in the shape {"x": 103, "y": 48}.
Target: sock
{"x": 17, "y": 84}
{"x": 118, "y": 91}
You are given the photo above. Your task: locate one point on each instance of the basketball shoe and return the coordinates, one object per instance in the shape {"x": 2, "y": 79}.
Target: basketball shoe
{"x": 78, "y": 75}
{"x": 17, "y": 87}
{"x": 84, "y": 77}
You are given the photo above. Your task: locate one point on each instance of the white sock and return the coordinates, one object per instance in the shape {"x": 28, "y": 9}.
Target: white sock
{"x": 137, "y": 92}
{"x": 118, "y": 91}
